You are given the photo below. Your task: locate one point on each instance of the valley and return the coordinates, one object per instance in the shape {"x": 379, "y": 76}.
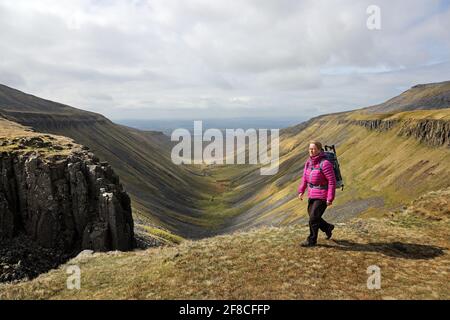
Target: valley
{"x": 238, "y": 226}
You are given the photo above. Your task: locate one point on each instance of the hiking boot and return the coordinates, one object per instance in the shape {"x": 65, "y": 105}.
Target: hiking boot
{"x": 306, "y": 243}
{"x": 329, "y": 233}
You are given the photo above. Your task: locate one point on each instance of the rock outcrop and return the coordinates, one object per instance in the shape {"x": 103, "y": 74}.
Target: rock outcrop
{"x": 433, "y": 132}
{"x": 377, "y": 124}
{"x": 430, "y": 131}
{"x": 65, "y": 202}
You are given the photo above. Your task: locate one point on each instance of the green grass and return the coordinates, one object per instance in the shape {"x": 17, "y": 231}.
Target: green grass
{"x": 163, "y": 235}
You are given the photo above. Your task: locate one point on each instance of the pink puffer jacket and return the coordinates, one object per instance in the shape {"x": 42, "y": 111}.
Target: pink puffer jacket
{"x": 325, "y": 177}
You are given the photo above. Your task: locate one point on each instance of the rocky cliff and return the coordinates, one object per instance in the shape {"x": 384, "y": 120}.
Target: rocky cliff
{"x": 66, "y": 201}
{"x": 433, "y": 132}
{"x": 377, "y": 124}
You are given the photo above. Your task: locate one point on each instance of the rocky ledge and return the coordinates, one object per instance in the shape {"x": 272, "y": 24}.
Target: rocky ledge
{"x": 377, "y": 124}
{"x": 433, "y": 132}
{"x": 67, "y": 202}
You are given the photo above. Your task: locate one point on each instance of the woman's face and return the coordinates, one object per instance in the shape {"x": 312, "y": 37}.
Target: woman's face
{"x": 313, "y": 150}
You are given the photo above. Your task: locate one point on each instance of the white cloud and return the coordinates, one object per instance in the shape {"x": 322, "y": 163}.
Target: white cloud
{"x": 199, "y": 58}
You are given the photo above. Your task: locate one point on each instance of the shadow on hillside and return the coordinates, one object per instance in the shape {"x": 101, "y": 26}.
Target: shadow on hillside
{"x": 393, "y": 249}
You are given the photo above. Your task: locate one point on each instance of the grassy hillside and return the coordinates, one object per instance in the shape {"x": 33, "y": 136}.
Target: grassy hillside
{"x": 411, "y": 249}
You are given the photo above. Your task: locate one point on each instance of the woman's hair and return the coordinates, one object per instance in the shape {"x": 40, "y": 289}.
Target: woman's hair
{"x": 317, "y": 144}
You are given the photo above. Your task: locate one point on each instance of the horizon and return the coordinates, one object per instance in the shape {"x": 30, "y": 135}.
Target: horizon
{"x": 167, "y": 126}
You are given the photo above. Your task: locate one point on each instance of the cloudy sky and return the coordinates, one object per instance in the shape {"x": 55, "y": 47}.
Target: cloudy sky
{"x": 215, "y": 58}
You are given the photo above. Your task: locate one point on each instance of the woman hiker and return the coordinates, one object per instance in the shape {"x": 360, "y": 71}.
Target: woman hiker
{"x": 321, "y": 191}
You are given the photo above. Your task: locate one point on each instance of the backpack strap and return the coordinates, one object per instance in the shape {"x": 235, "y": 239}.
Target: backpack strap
{"x": 320, "y": 168}
{"x": 314, "y": 186}
{"x": 313, "y": 168}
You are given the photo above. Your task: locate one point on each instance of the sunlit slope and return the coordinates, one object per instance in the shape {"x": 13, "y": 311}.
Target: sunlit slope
{"x": 422, "y": 96}
{"x": 381, "y": 168}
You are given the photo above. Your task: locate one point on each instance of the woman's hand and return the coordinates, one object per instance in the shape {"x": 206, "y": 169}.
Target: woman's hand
{"x": 329, "y": 203}
{"x": 300, "y": 196}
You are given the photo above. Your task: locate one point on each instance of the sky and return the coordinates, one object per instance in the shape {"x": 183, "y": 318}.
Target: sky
{"x": 186, "y": 59}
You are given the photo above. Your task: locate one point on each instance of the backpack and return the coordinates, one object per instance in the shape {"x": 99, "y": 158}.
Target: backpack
{"x": 332, "y": 157}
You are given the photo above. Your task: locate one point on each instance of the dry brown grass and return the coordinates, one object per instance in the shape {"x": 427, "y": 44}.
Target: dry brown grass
{"x": 268, "y": 263}
{"x": 10, "y": 131}
{"x": 434, "y": 205}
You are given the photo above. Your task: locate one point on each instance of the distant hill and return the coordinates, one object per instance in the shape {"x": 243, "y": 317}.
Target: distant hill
{"x": 168, "y": 125}
{"x": 419, "y": 97}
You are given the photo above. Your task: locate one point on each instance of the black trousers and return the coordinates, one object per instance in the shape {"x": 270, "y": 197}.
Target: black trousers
{"x": 316, "y": 208}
